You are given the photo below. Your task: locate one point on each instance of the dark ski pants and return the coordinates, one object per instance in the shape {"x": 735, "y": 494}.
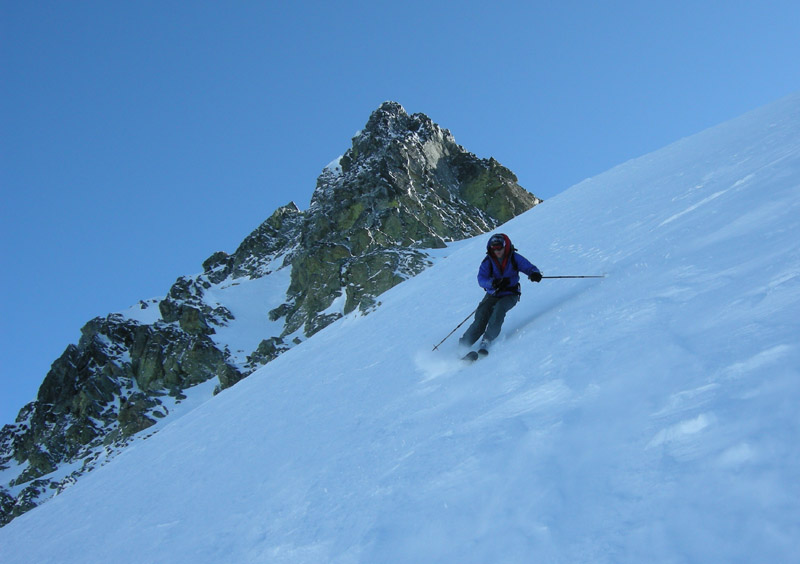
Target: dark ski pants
{"x": 489, "y": 318}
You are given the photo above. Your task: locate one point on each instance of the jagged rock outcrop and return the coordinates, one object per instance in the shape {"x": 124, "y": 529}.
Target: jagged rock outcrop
{"x": 404, "y": 186}
{"x": 257, "y": 253}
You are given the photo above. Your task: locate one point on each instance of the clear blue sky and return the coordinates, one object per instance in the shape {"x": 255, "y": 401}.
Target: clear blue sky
{"x": 138, "y": 138}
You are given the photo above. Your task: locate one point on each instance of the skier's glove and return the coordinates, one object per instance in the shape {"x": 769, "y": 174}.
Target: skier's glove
{"x": 500, "y": 283}
{"x": 535, "y": 277}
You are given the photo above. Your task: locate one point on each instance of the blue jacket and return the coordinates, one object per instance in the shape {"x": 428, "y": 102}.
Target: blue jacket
{"x": 491, "y": 269}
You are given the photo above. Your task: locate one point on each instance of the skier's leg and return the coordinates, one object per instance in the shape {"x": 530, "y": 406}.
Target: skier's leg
{"x": 478, "y": 326}
{"x": 498, "y": 315}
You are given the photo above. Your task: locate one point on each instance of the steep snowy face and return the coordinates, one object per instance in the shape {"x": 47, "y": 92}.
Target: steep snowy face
{"x": 402, "y": 189}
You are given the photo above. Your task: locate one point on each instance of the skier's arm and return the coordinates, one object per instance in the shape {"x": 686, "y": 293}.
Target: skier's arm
{"x": 485, "y": 276}
{"x": 525, "y": 266}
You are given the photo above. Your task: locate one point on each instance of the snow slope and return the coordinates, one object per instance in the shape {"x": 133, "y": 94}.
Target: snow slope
{"x": 650, "y": 416}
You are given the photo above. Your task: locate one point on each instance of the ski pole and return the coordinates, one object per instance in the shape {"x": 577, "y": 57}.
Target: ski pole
{"x": 601, "y": 276}
{"x": 456, "y": 329}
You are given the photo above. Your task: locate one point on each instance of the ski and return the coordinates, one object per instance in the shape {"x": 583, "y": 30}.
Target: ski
{"x": 472, "y": 356}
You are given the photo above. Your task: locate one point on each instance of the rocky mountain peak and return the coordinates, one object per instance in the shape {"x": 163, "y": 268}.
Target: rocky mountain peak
{"x": 403, "y": 185}
{"x": 385, "y": 117}
{"x": 389, "y": 124}
{"x": 391, "y": 120}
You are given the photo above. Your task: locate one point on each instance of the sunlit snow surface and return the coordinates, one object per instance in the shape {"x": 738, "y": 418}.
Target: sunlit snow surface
{"x": 651, "y": 416}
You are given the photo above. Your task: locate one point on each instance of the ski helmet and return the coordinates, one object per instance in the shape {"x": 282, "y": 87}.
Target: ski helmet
{"x": 499, "y": 241}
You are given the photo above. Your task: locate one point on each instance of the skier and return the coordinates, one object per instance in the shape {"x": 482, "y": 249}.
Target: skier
{"x": 498, "y": 274}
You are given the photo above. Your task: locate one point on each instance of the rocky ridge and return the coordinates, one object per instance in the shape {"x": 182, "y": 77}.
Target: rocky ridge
{"x": 403, "y": 187}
